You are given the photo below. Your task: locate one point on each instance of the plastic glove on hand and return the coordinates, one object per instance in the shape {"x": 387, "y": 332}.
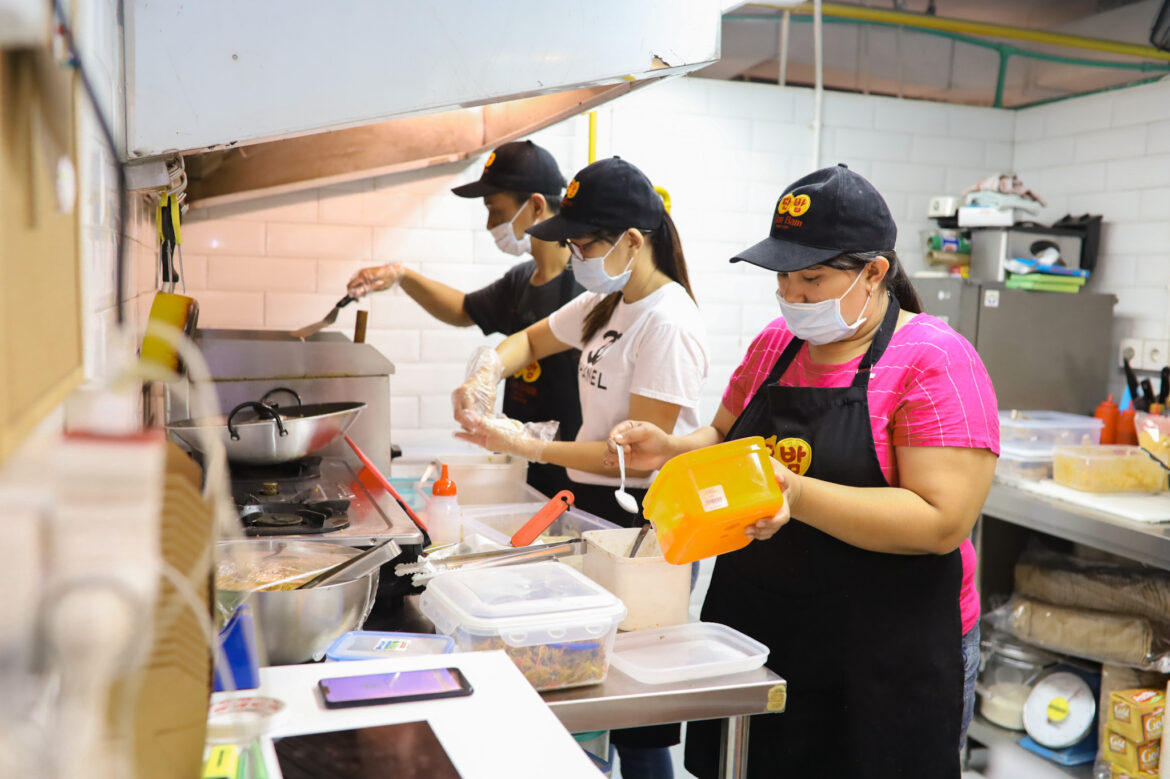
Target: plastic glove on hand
{"x": 475, "y": 399}
{"x": 501, "y": 434}
{"x": 790, "y": 485}
{"x": 646, "y": 445}
{"x": 374, "y": 279}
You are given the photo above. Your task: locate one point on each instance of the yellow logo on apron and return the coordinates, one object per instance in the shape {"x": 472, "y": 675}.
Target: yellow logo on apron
{"x": 529, "y": 374}
{"x": 795, "y": 454}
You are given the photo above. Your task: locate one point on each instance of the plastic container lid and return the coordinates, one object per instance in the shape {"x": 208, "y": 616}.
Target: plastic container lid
{"x": 521, "y": 596}
{"x": 682, "y": 652}
{"x": 373, "y": 645}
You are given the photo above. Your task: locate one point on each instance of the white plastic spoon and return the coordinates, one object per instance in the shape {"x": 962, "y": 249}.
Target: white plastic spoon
{"x": 624, "y": 499}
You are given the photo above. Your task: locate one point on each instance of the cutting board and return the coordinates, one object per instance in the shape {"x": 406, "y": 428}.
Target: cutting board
{"x": 1140, "y": 508}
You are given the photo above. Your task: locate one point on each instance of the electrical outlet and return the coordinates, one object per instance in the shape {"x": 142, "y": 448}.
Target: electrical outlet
{"x": 1134, "y": 349}
{"x": 1155, "y": 354}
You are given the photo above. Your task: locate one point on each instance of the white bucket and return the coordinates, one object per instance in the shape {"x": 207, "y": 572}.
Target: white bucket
{"x": 656, "y": 593}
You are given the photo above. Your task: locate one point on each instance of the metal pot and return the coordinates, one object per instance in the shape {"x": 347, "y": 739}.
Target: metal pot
{"x": 299, "y": 625}
{"x": 256, "y": 433}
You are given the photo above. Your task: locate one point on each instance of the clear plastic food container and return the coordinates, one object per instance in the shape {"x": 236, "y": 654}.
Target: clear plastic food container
{"x": 1022, "y": 464}
{"x": 377, "y": 645}
{"x": 683, "y": 652}
{"x": 1037, "y": 432}
{"x": 1107, "y": 469}
{"x": 555, "y": 623}
{"x": 497, "y": 524}
{"x": 702, "y": 501}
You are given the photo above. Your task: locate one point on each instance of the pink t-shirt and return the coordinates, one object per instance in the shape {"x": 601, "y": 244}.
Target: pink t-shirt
{"x": 928, "y": 389}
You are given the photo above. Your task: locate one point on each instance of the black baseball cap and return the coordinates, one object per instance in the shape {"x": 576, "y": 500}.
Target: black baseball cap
{"x": 520, "y": 166}
{"x": 829, "y": 212}
{"x": 610, "y": 194}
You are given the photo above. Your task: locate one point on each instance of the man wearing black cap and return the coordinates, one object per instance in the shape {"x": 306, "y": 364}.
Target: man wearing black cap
{"x": 520, "y": 186}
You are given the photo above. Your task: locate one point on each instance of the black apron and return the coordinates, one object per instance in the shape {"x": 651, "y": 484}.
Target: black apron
{"x": 868, "y": 642}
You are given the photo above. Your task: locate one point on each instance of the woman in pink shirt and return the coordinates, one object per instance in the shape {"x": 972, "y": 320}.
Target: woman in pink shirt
{"x": 884, "y": 431}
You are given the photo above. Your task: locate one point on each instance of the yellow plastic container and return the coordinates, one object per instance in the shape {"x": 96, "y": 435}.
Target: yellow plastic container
{"x": 702, "y": 501}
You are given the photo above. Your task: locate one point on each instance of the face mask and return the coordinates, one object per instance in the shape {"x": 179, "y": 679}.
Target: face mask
{"x": 506, "y": 240}
{"x": 590, "y": 271}
{"x": 819, "y": 323}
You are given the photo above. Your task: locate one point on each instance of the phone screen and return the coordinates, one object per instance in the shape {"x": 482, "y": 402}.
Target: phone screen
{"x": 393, "y": 687}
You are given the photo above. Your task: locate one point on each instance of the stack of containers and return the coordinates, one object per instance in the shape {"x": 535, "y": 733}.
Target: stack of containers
{"x": 1132, "y": 743}
{"x": 1027, "y": 440}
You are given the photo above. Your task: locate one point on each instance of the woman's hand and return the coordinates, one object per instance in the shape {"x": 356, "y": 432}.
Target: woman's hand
{"x": 375, "y": 279}
{"x": 646, "y": 446}
{"x": 509, "y": 436}
{"x": 475, "y": 399}
{"x": 790, "y": 485}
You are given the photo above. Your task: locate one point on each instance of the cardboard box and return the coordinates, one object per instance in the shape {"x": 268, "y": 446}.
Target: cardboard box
{"x": 1117, "y": 773}
{"x": 1130, "y": 756}
{"x": 1136, "y": 714}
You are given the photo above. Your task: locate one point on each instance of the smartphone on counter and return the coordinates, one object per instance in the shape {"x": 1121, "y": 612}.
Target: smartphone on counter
{"x": 397, "y": 687}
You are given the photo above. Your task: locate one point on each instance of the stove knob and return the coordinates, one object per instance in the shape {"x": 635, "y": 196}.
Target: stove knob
{"x": 269, "y": 488}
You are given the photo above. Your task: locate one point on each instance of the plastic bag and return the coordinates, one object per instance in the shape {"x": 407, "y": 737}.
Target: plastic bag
{"x": 1064, "y": 580}
{"x": 1094, "y": 635}
{"x": 1153, "y": 432}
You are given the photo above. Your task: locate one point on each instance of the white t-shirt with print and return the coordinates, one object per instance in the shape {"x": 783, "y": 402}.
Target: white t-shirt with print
{"x": 655, "y": 347}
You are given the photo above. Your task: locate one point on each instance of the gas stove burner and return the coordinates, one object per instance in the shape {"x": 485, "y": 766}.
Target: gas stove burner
{"x": 269, "y": 519}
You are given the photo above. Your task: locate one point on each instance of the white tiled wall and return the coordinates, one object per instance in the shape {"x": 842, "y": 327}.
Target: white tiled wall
{"x": 1109, "y": 154}
{"x": 723, "y": 150}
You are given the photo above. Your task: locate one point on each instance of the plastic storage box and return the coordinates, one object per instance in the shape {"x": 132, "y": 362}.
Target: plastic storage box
{"x": 1107, "y": 469}
{"x": 497, "y": 524}
{"x": 1036, "y": 433}
{"x": 656, "y": 593}
{"x": 1023, "y": 464}
{"x": 488, "y": 478}
{"x": 556, "y": 624}
{"x": 701, "y": 501}
{"x": 692, "y": 651}
{"x": 374, "y": 645}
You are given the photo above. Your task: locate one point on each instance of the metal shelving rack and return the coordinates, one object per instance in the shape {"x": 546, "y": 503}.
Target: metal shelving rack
{"x": 1011, "y": 517}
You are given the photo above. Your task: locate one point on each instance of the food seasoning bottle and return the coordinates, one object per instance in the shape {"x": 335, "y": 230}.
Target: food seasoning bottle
{"x": 444, "y": 517}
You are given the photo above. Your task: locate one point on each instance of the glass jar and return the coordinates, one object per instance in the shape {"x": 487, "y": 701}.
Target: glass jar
{"x": 1009, "y": 673}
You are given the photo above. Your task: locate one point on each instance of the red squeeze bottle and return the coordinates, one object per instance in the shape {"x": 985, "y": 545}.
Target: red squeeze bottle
{"x": 1126, "y": 431}
{"x": 1107, "y": 412}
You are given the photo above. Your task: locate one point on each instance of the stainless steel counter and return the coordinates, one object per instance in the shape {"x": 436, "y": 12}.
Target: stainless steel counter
{"x": 622, "y": 702}
{"x": 1147, "y": 543}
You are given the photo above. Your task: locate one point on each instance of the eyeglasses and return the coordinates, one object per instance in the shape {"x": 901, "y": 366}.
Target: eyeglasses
{"x": 578, "y": 250}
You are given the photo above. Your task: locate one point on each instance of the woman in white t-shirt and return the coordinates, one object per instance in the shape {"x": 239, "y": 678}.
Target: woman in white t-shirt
{"x": 643, "y": 356}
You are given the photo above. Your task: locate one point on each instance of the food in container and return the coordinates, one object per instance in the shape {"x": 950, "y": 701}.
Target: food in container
{"x": 1153, "y": 434}
{"x": 1007, "y": 680}
{"x": 1107, "y": 469}
{"x": 702, "y": 502}
{"x": 245, "y": 566}
{"x": 555, "y": 624}
{"x": 656, "y": 593}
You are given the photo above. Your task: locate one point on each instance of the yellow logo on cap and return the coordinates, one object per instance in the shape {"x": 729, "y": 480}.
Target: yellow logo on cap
{"x": 571, "y": 190}
{"x": 491, "y": 158}
{"x": 784, "y": 204}
{"x": 795, "y": 454}
{"x": 800, "y": 204}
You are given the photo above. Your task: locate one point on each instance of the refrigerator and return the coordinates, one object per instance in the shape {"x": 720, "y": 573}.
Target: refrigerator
{"x": 1043, "y": 350}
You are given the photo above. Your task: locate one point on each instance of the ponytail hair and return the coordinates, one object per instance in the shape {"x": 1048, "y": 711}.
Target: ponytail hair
{"x": 665, "y": 249}
{"x": 897, "y": 282}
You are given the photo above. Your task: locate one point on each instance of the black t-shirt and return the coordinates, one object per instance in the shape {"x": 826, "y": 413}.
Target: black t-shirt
{"x": 547, "y": 389}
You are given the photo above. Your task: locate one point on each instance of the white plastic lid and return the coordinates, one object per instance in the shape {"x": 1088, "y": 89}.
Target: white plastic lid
{"x": 683, "y": 652}
{"x": 1060, "y": 710}
{"x": 1046, "y": 419}
{"x": 495, "y": 597}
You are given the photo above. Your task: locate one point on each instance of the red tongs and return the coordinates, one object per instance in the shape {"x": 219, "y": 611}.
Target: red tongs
{"x": 558, "y": 504}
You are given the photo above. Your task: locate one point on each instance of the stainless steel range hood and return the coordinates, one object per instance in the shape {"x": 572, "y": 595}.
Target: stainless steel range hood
{"x": 261, "y": 103}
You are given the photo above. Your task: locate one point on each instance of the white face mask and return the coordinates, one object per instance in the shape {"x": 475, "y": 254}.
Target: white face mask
{"x": 506, "y": 240}
{"x": 820, "y": 323}
{"x": 590, "y": 271}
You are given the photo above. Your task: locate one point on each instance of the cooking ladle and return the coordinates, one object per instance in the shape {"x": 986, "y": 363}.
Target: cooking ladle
{"x": 624, "y": 499}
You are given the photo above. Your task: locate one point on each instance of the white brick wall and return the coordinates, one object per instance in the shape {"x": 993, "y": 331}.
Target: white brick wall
{"x": 1109, "y": 154}
{"x": 724, "y": 150}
